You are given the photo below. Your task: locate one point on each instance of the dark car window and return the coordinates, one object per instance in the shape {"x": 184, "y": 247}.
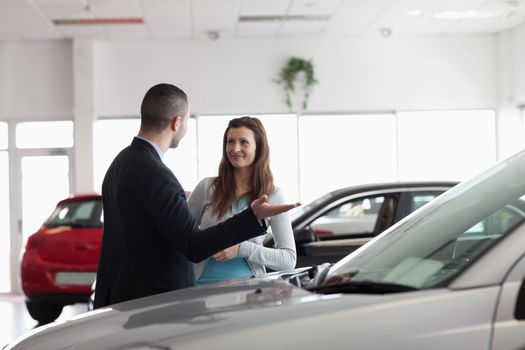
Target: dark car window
{"x": 419, "y": 199}
{"x": 358, "y": 216}
{"x": 86, "y": 214}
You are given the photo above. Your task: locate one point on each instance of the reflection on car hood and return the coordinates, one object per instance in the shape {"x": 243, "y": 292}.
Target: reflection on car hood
{"x": 224, "y": 315}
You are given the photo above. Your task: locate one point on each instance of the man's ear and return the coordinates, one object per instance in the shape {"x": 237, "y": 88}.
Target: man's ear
{"x": 175, "y": 122}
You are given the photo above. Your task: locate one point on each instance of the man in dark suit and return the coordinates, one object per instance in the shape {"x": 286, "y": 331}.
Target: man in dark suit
{"x": 150, "y": 236}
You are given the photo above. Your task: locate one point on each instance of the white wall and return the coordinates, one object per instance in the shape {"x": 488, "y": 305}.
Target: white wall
{"x": 518, "y": 63}
{"x": 355, "y": 74}
{"x": 236, "y": 76}
{"x": 511, "y": 91}
{"x": 36, "y": 80}
{"x": 227, "y": 76}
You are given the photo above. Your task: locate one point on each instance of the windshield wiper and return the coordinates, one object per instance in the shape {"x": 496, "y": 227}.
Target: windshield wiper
{"x": 365, "y": 287}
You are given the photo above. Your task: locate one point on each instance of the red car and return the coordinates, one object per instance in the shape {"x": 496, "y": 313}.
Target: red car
{"x": 60, "y": 260}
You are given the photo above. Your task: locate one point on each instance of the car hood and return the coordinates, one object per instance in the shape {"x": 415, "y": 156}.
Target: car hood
{"x": 240, "y": 314}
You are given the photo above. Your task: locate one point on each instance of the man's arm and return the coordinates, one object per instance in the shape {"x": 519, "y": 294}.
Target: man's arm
{"x": 263, "y": 209}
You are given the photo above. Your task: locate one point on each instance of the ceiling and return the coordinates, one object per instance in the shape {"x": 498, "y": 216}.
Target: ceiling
{"x": 216, "y": 19}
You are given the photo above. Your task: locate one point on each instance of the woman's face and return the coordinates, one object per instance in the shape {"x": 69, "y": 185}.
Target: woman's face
{"x": 240, "y": 147}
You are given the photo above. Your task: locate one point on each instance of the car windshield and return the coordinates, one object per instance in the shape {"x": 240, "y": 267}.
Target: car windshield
{"x": 80, "y": 214}
{"x": 440, "y": 240}
{"x": 297, "y": 212}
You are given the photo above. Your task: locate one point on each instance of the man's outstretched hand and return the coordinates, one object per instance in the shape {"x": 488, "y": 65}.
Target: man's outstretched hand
{"x": 262, "y": 209}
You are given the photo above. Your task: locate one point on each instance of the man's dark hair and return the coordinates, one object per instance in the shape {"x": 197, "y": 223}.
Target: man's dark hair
{"x": 161, "y": 103}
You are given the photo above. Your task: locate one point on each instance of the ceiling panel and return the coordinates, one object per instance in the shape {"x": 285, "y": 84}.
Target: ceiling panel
{"x": 187, "y": 19}
{"x": 82, "y": 31}
{"x": 115, "y": 8}
{"x": 355, "y": 17}
{"x": 301, "y": 28}
{"x": 165, "y": 8}
{"x": 314, "y": 7}
{"x": 258, "y": 29}
{"x": 168, "y": 26}
{"x": 126, "y": 31}
{"x": 264, "y": 8}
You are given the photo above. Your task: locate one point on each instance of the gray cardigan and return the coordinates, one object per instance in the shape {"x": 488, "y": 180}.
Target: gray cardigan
{"x": 282, "y": 257}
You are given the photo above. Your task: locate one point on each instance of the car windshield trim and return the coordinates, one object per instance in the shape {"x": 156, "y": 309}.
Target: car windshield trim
{"x": 365, "y": 287}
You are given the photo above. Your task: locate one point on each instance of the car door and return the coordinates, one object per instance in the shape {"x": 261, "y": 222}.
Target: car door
{"x": 346, "y": 225}
{"x": 414, "y": 198}
{"x": 353, "y": 221}
{"x": 509, "y": 323}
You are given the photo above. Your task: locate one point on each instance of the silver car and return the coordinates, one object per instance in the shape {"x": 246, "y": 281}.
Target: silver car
{"x": 448, "y": 276}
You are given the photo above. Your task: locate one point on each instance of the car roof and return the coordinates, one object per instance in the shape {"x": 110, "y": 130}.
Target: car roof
{"x": 346, "y": 191}
{"x": 365, "y": 188}
{"x": 81, "y": 197}
{"x": 390, "y": 185}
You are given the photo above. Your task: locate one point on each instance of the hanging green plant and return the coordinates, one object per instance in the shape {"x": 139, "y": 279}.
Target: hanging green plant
{"x": 288, "y": 76}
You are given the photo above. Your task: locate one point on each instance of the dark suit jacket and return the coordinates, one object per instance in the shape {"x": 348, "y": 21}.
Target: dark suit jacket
{"x": 149, "y": 232}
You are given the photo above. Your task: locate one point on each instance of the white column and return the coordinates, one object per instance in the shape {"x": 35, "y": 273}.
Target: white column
{"x": 84, "y": 114}
{"x": 509, "y": 124}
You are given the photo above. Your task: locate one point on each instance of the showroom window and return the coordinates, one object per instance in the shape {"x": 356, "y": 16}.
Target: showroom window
{"x": 108, "y": 143}
{"x": 281, "y": 130}
{"x": 41, "y": 173}
{"x": 183, "y": 160}
{"x": 57, "y": 134}
{"x": 445, "y": 145}
{"x": 342, "y": 150}
{"x": 4, "y": 210}
{"x": 43, "y": 160}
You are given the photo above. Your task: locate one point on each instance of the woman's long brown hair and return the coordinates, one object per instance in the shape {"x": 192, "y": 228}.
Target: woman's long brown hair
{"x": 223, "y": 187}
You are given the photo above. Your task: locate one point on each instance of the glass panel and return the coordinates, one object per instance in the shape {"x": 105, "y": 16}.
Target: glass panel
{"x": 45, "y": 181}
{"x": 419, "y": 199}
{"x": 183, "y": 159}
{"x": 3, "y": 135}
{"x": 344, "y": 150}
{"x": 85, "y": 214}
{"x": 358, "y": 216}
{"x": 445, "y": 145}
{"x": 281, "y": 131}
{"x": 209, "y": 142}
{"x": 44, "y": 134}
{"x": 107, "y": 144}
{"x": 5, "y": 273}
{"x": 110, "y": 136}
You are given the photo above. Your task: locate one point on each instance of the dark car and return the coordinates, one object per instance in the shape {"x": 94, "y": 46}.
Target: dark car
{"x": 337, "y": 223}
{"x": 60, "y": 260}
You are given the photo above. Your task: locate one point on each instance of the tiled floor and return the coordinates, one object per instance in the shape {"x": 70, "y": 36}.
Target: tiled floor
{"x": 16, "y": 320}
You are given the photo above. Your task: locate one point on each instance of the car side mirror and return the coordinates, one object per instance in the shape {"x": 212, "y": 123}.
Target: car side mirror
{"x": 306, "y": 234}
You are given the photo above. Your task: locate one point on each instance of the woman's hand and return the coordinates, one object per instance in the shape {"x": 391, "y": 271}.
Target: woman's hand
{"x": 262, "y": 209}
{"x": 228, "y": 253}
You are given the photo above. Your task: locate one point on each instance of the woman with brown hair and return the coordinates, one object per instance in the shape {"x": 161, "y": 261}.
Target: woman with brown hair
{"x": 244, "y": 175}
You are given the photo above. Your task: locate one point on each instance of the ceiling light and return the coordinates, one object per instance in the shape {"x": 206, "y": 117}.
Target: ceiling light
{"x": 284, "y": 18}
{"x": 471, "y": 14}
{"x": 97, "y": 21}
